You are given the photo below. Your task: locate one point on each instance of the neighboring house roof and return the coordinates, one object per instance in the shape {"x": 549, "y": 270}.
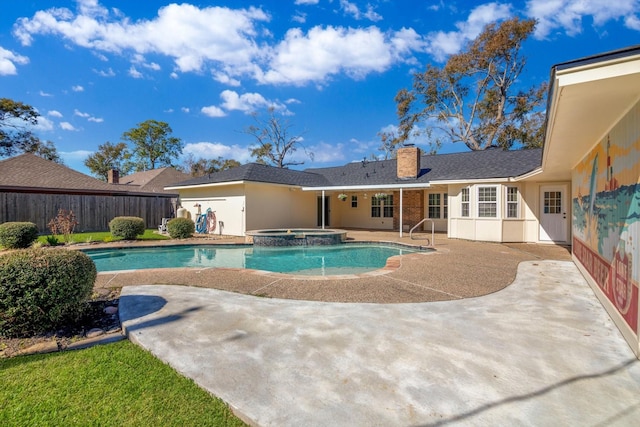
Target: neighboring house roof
{"x": 155, "y": 180}
{"x": 30, "y": 173}
{"x": 475, "y": 165}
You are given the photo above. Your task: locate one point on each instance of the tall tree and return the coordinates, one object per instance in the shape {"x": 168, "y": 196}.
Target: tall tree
{"x": 109, "y": 156}
{"x": 473, "y": 99}
{"x": 44, "y": 149}
{"x": 15, "y": 118}
{"x": 202, "y": 166}
{"x": 153, "y": 145}
{"x": 275, "y": 145}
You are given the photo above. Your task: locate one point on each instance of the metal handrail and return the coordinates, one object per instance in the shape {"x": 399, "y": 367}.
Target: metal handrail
{"x": 429, "y": 243}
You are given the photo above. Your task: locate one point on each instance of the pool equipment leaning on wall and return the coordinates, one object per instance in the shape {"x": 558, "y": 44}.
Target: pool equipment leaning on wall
{"x": 206, "y": 222}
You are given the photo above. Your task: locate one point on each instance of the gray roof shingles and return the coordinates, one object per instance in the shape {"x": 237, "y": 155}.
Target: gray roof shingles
{"x": 475, "y": 165}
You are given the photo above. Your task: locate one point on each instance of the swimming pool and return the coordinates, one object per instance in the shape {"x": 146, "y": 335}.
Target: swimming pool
{"x": 352, "y": 258}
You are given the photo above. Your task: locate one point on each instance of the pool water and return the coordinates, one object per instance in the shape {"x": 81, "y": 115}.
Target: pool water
{"x": 311, "y": 260}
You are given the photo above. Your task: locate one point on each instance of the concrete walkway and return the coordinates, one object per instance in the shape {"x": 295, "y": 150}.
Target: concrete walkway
{"x": 539, "y": 352}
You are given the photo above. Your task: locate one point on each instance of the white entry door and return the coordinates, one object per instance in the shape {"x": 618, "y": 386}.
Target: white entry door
{"x": 553, "y": 214}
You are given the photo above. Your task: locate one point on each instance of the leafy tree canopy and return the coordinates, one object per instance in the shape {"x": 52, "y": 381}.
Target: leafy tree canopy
{"x": 473, "y": 98}
{"x": 153, "y": 145}
{"x": 15, "y": 136}
{"x": 110, "y": 156}
{"x": 202, "y": 166}
{"x": 275, "y": 145}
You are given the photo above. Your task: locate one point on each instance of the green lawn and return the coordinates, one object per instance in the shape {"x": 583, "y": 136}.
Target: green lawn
{"x": 114, "y": 384}
{"x": 104, "y": 236}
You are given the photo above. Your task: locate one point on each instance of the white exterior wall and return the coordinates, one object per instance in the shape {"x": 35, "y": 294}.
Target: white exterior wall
{"x": 524, "y": 228}
{"x": 226, "y": 201}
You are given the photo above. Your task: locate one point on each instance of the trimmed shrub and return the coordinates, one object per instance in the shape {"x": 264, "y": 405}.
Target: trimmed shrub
{"x": 42, "y": 289}
{"x": 181, "y": 228}
{"x": 17, "y": 235}
{"x": 127, "y": 227}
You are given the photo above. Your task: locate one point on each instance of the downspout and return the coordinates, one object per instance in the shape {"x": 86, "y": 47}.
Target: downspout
{"x": 401, "y": 212}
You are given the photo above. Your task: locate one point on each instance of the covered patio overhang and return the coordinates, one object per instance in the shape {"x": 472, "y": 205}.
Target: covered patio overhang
{"x": 586, "y": 98}
{"x": 362, "y": 188}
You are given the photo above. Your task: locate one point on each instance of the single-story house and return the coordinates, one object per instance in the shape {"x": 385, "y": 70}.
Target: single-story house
{"x": 34, "y": 189}
{"x": 581, "y": 189}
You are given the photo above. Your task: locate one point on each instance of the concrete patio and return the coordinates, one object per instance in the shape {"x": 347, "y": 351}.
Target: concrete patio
{"x": 541, "y": 351}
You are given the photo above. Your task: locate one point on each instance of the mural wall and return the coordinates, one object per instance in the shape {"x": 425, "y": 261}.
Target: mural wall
{"x": 606, "y": 215}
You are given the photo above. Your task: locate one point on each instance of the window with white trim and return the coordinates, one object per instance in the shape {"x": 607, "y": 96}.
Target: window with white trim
{"x": 375, "y": 207}
{"x": 464, "y": 204}
{"x": 382, "y": 207}
{"x": 387, "y": 211}
{"x": 487, "y": 202}
{"x": 434, "y": 206}
{"x": 512, "y": 204}
{"x": 445, "y": 206}
{"x": 354, "y": 201}
{"x": 437, "y": 206}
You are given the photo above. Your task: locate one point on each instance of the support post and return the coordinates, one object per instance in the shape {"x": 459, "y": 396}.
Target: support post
{"x": 401, "y": 213}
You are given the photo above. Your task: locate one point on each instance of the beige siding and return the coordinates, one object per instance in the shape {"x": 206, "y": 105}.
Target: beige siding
{"x": 272, "y": 206}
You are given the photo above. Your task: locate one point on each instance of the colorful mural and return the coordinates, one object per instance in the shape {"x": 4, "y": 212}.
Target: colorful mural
{"x": 606, "y": 216}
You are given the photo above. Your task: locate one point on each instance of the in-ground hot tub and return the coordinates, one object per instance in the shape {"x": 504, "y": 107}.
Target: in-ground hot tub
{"x": 296, "y": 237}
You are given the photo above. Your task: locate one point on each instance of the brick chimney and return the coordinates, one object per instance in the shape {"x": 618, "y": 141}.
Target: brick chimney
{"x": 113, "y": 176}
{"x": 408, "y": 161}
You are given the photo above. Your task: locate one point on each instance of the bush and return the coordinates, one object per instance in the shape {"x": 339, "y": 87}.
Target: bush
{"x": 181, "y": 228}
{"x": 42, "y": 289}
{"x": 127, "y": 227}
{"x": 16, "y": 235}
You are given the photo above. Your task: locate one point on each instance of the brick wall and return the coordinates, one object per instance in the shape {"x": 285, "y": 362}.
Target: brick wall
{"x": 412, "y": 207}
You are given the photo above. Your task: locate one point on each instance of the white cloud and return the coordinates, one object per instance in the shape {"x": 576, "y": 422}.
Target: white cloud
{"x": 44, "y": 124}
{"x": 306, "y": 2}
{"x": 299, "y": 17}
{"x": 77, "y": 88}
{"x": 632, "y": 22}
{"x": 213, "y": 111}
{"x": 54, "y": 113}
{"x": 352, "y": 9}
{"x": 105, "y": 73}
{"x": 442, "y": 44}
{"x": 67, "y": 126}
{"x": 225, "y": 79}
{"x": 185, "y": 109}
{"x": 8, "y": 61}
{"x": 322, "y": 52}
{"x": 188, "y": 34}
{"x": 174, "y": 75}
{"x": 45, "y": 94}
{"x": 322, "y": 153}
{"x": 87, "y": 116}
{"x": 135, "y": 73}
{"x": 226, "y": 41}
{"x": 213, "y": 150}
{"x": 567, "y": 15}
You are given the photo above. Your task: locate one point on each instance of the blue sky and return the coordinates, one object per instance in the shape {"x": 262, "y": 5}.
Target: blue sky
{"x": 96, "y": 68}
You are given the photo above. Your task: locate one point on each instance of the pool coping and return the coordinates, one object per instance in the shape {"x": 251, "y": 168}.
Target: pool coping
{"x": 392, "y": 264}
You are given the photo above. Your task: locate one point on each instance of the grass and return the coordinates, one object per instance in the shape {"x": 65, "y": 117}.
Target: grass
{"x": 104, "y": 236}
{"x": 114, "y": 384}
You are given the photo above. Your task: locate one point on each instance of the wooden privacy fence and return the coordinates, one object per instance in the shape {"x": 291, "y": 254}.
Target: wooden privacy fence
{"x": 93, "y": 212}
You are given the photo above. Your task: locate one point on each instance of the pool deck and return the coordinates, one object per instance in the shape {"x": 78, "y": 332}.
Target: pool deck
{"x": 456, "y": 269}
{"x": 486, "y": 334}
